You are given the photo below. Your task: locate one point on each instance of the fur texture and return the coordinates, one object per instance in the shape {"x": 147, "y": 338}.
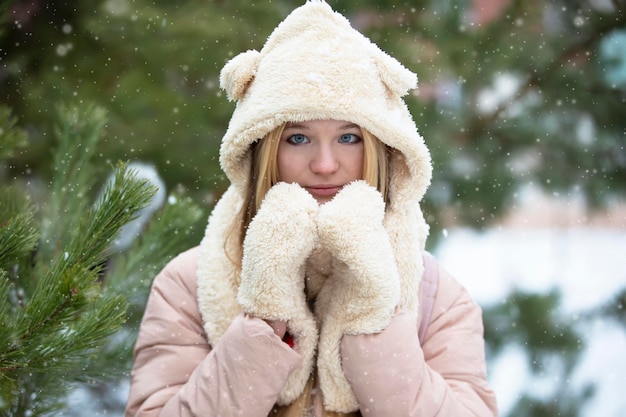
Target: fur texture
{"x": 279, "y": 239}
{"x": 364, "y": 288}
{"x": 315, "y": 66}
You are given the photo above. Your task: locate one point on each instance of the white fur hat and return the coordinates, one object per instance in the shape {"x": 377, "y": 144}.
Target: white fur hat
{"x": 315, "y": 66}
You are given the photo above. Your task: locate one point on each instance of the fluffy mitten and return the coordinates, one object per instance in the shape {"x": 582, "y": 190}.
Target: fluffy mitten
{"x": 364, "y": 290}
{"x": 365, "y": 278}
{"x": 278, "y": 241}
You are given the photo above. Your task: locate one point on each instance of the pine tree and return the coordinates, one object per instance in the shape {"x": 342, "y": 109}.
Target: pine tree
{"x": 65, "y": 295}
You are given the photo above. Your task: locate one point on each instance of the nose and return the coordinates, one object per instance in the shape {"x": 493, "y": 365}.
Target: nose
{"x": 325, "y": 160}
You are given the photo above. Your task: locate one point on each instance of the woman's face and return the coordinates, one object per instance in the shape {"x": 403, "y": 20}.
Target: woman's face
{"x": 321, "y": 156}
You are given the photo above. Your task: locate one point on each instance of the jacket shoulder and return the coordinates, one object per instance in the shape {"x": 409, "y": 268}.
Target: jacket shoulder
{"x": 180, "y": 271}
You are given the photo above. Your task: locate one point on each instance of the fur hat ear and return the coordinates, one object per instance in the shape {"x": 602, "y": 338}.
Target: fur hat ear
{"x": 398, "y": 79}
{"x": 238, "y": 73}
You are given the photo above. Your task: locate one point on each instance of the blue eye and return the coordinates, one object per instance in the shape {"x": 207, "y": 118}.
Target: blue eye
{"x": 297, "y": 139}
{"x": 349, "y": 138}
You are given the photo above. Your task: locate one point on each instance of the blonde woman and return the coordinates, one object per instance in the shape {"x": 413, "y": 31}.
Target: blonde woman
{"x": 306, "y": 295}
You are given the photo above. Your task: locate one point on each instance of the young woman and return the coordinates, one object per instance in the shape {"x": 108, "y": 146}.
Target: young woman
{"x": 304, "y": 297}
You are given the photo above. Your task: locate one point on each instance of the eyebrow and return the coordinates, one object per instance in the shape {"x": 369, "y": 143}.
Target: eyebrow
{"x": 304, "y": 127}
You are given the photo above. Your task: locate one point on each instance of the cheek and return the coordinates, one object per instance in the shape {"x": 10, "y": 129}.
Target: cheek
{"x": 355, "y": 164}
{"x": 286, "y": 165}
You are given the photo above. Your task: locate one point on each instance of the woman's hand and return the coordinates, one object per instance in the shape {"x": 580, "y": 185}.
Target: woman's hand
{"x": 278, "y": 241}
{"x": 279, "y": 327}
{"x": 365, "y": 286}
{"x": 361, "y": 295}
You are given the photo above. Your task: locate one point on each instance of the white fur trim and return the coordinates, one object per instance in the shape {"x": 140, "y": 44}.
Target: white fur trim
{"x": 217, "y": 275}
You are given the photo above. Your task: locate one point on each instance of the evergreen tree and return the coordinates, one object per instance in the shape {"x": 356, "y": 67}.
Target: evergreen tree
{"x": 65, "y": 295}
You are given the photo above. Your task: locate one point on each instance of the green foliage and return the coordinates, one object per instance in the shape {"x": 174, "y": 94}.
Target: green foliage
{"x": 61, "y": 308}
{"x": 140, "y": 263}
{"x": 18, "y": 235}
{"x": 11, "y": 136}
{"x": 615, "y": 309}
{"x": 563, "y": 404}
{"x": 532, "y": 320}
{"x": 553, "y": 344}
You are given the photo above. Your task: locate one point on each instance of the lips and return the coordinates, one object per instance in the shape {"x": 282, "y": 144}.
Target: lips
{"x": 324, "y": 190}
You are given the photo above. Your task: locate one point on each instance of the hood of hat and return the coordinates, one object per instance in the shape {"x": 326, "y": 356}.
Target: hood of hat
{"x": 315, "y": 66}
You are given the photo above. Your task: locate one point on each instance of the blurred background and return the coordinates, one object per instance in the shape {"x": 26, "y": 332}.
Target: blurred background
{"x": 522, "y": 104}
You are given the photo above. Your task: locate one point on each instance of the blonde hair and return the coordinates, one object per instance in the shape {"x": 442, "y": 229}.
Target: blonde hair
{"x": 264, "y": 171}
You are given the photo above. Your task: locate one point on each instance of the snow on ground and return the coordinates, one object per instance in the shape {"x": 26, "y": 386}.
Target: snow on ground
{"x": 588, "y": 267}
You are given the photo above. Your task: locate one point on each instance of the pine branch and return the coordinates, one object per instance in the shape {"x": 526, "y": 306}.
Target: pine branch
{"x": 5, "y": 314}
{"x": 131, "y": 272}
{"x": 71, "y": 280}
{"x": 67, "y": 319}
{"x": 77, "y": 130}
{"x": 18, "y": 235}
{"x": 134, "y": 269}
{"x": 50, "y": 334}
{"x": 10, "y": 136}
{"x": 57, "y": 321}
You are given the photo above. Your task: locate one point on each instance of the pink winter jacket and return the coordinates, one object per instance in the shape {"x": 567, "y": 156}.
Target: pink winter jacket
{"x": 177, "y": 373}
